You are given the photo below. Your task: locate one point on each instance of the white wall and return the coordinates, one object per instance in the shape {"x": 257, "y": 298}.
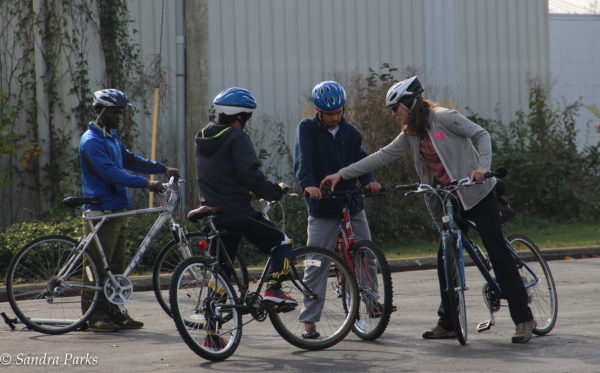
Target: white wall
{"x": 575, "y": 65}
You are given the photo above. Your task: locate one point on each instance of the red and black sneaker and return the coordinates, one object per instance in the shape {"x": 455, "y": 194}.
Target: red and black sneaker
{"x": 277, "y": 296}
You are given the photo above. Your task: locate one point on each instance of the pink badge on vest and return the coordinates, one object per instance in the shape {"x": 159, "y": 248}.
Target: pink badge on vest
{"x": 438, "y": 135}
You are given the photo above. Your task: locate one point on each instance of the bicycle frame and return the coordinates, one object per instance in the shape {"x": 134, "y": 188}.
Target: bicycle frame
{"x": 95, "y": 223}
{"x": 463, "y": 243}
{"x": 345, "y": 237}
{"x": 218, "y": 249}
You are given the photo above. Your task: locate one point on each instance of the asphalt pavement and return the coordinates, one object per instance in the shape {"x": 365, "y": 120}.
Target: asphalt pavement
{"x": 572, "y": 346}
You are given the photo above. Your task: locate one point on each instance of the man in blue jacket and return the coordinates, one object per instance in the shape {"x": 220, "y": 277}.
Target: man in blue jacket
{"x": 103, "y": 160}
{"x": 323, "y": 145}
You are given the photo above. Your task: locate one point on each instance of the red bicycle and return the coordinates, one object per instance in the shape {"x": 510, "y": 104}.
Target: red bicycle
{"x": 371, "y": 269}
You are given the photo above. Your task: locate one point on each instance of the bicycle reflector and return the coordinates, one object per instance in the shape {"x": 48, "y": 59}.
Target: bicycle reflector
{"x": 203, "y": 245}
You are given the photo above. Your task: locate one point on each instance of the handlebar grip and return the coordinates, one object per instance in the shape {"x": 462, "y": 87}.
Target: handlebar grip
{"x": 407, "y": 187}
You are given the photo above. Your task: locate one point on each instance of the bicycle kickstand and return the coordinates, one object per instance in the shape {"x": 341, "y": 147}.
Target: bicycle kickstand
{"x": 486, "y": 325}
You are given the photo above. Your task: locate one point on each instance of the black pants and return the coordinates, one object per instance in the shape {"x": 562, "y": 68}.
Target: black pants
{"x": 264, "y": 235}
{"x": 486, "y": 217}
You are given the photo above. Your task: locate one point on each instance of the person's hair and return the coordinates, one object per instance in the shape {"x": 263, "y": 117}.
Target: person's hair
{"x": 229, "y": 119}
{"x": 418, "y": 118}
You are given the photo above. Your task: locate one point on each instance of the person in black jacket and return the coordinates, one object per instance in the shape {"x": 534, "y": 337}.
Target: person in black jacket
{"x": 228, "y": 172}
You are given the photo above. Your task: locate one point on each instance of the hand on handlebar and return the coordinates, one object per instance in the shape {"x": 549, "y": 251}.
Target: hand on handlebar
{"x": 373, "y": 187}
{"x": 154, "y": 186}
{"x": 284, "y": 187}
{"x": 172, "y": 172}
{"x": 313, "y": 192}
{"x": 330, "y": 181}
{"x": 478, "y": 175}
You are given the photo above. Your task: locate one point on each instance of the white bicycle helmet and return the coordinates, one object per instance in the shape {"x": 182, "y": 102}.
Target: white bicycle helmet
{"x": 410, "y": 87}
{"x": 110, "y": 97}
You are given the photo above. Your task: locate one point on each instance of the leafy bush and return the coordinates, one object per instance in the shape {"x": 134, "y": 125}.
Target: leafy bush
{"x": 17, "y": 235}
{"x": 548, "y": 176}
{"x": 20, "y": 234}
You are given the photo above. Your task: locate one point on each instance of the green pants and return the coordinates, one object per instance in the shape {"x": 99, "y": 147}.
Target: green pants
{"x": 113, "y": 236}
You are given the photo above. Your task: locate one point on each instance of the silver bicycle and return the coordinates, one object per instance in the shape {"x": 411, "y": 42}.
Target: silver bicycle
{"x": 50, "y": 276}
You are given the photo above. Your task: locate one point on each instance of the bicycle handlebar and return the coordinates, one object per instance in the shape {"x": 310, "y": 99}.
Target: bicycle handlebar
{"x": 500, "y": 173}
{"x": 360, "y": 192}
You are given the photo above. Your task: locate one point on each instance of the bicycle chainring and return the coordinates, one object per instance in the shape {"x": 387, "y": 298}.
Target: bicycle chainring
{"x": 120, "y": 294}
{"x": 492, "y": 300}
{"x": 257, "y": 308}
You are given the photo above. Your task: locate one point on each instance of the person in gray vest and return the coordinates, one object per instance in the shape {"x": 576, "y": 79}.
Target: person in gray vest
{"x": 445, "y": 146}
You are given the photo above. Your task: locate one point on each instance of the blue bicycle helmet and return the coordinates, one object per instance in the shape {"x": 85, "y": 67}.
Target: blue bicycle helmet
{"x": 329, "y": 95}
{"x": 110, "y": 97}
{"x": 234, "y": 100}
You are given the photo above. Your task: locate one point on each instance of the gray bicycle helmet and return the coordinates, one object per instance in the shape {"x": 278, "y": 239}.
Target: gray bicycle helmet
{"x": 410, "y": 87}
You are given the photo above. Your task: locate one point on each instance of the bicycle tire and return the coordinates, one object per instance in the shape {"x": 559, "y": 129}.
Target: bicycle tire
{"x": 168, "y": 259}
{"x": 340, "y": 303}
{"x": 204, "y": 317}
{"x": 456, "y": 295}
{"x": 373, "y": 316}
{"x": 35, "y": 296}
{"x": 543, "y": 299}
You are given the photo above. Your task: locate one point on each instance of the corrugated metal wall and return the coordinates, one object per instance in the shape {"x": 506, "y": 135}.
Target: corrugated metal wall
{"x": 479, "y": 53}
{"x": 575, "y": 61}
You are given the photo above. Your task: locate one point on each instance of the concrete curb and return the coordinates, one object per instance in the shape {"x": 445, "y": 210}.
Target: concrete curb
{"x": 144, "y": 283}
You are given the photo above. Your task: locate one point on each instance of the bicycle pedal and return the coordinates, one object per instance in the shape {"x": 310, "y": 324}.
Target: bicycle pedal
{"x": 284, "y": 308}
{"x": 486, "y": 325}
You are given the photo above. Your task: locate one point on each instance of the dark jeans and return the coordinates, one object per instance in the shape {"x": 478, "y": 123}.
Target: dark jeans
{"x": 266, "y": 236}
{"x": 486, "y": 217}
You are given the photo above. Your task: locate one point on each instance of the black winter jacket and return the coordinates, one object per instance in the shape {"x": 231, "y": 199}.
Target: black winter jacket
{"x": 228, "y": 170}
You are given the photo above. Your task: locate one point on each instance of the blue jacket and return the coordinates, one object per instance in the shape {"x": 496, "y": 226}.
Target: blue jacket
{"x": 318, "y": 154}
{"x": 103, "y": 160}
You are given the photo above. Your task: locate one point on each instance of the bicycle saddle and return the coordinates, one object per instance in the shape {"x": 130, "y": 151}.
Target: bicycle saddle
{"x": 201, "y": 212}
{"x": 80, "y": 201}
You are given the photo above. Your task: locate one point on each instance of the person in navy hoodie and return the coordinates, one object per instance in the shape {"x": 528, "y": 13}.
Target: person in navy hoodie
{"x": 324, "y": 144}
{"x": 104, "y": 159}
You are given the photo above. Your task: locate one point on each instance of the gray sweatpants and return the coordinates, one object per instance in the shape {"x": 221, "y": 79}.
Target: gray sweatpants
{"x": 323, "y": 233}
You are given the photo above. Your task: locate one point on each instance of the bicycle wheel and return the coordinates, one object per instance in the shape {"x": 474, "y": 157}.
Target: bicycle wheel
{"x": 43, "y": 300}
{"x": 375, "y": 288}
{"x": 456, "y": 295}
{"x": 340, "y": 303}
{"x": 205, "y": 311}
{"x": 543, "y": 300}
{"x": 171, "y": 255}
